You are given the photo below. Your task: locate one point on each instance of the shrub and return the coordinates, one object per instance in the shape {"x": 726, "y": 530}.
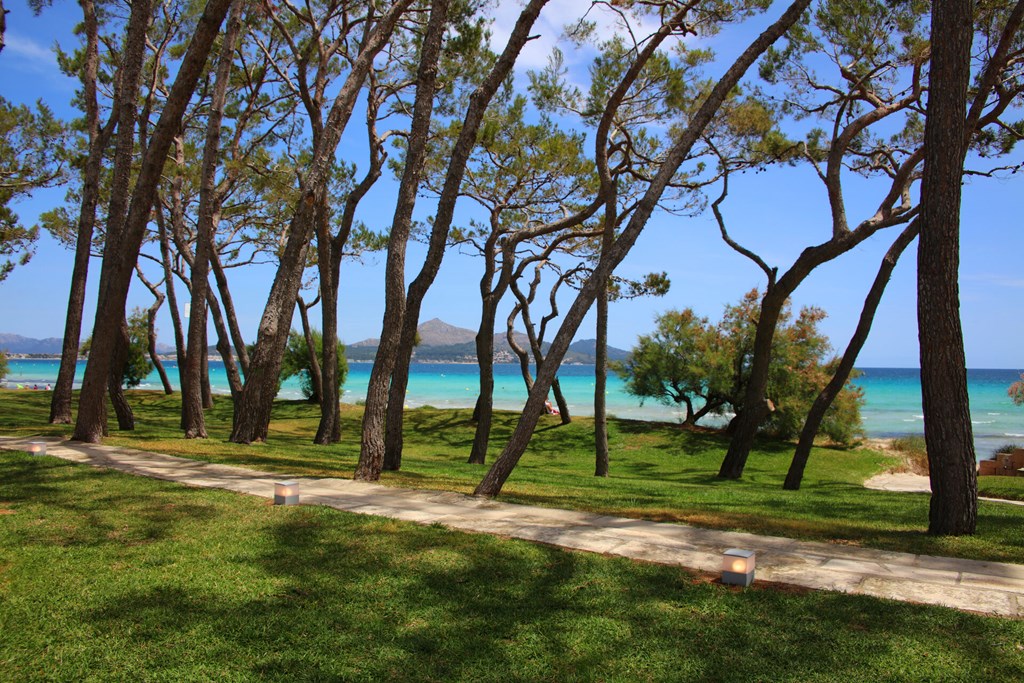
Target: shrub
{"x": 914, "y": 453}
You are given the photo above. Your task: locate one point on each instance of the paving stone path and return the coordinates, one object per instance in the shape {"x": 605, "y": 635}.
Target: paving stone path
{"x": 987, "y": 587}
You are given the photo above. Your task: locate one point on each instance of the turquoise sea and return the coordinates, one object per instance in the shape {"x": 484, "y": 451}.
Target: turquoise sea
{"x": 892, "y": 395}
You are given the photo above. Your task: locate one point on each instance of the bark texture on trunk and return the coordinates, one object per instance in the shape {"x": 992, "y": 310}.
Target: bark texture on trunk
{"x": 493, "y": 481}
{"x": 315, "y": 374}
{"x": 119, "y": 357}
{"x": 253, "y": 409}
{"x": 484, "y": 410}
{"x": 371, "y": 450}
{"x": 399, "y": 330}
{"x": 947, "y": 417}
{"x": 860, "y": 335}
{"x": 154, "y": 358}
{"x": 118, "y": 264}
{"x": 60, "y": 401}
{"x": 755, "y": 407}
{"x": 600, "y": 388}
{"x": 92, "y": 426}
{"x": 192, "y": 398}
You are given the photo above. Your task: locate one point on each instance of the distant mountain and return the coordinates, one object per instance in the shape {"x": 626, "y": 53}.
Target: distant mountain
{"x": 437, "y": 332}
{"x": 444, "y": 343}
{"x": 15, "y": 343}
{"x": 588, "y": 347}
{"x": 51, "y": 346}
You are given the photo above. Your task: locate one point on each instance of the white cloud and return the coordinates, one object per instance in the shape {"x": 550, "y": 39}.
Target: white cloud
{"x": 28, "y": 50}
{"x": 997, "y": 280}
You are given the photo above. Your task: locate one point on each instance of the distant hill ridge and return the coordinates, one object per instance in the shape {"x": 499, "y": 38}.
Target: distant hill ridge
{"x": 440, "y": 342}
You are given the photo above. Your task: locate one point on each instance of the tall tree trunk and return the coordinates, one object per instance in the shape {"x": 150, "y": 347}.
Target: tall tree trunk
{"x": 328, "y": 430}
{"x": 193, "y": 395}
{"x": 947, "y": 415}
{"x": 860, "y": 335}
{"x": 563, "y": 406}
{"x": 484, "y": 412}
{"x": 60, "y": 401}
{"x": 315, "y": 373}
{"x": 151, "y": 346}
{"x": 394, "y": 439}
{"x": 601, "y": 388}
{"x": 495, "y": 478}
{"x": 112, "y": 346}
{"x": 119, "y": 356}
{"x": 119, "y": 263}
{"x": 371, "y": 452}
{"x": 401, "y": 314}
{"x": 224, "y": 346}
{"x": 755, "y": 406}
{"x": 229, "y": 312}
{"x": 252, "y": 412}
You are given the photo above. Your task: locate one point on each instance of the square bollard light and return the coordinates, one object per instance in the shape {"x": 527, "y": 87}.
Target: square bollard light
{"x": 286, "y": 493}
{"x": 36, "y": 448}
{"x": 738, "y": 567}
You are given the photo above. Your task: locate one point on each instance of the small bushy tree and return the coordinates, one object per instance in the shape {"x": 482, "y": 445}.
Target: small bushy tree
{"x": 137, "y": 366}
{"x": 1016, "y": 391}
{"x": 672, "y": 365}
{"x": 705, "y": 368}
{"x": 296, "y": 361}
{"x": 3, "y": 365}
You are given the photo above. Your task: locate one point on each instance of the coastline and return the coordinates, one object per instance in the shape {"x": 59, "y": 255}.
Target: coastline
{"x": 891, "y": 409}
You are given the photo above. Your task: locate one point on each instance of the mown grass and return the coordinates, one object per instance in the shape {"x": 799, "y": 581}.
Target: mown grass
{"x": 105, "y": 576}
{"x": 658, "y": 471}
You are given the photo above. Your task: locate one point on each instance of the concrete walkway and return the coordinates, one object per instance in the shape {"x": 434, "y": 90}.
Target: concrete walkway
{"x": 916, "y": 483}
{"x": 987, "y": 587}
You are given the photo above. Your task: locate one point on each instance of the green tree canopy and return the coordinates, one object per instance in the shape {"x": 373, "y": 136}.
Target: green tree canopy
{"x": 704, "y": 368}
{"x": 31, "y": 143}
{"x": 1016, "y": 391}
{"x": 296, "y": 361}
{"x": 138, "y": 366}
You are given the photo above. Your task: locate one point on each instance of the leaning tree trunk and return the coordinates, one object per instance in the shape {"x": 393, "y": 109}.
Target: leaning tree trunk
{"x": 316, "y": 376}
{"x": 600, "y": 388}
{"x": 860, "y": 335}
{"x": 119, "y": 356}
{"x": 151, "y": 345}
{"x": 755, "y": 406}
{"x": 119, "y": 263}
{"x": 60, "y": 401}
{"x": 224, "y": 346}
{"x": 495, "y": 478}
{"x": 371, "y": 451}
{"x": 946, "y": 406}
{"x": 126, "y": 91}
{"x": 484, "y": 412}
{"x": 193, "y": 397}
{"x": 253, "y": 409}
{"x": 396, "y": 337}
{"x": 231, "y": 318}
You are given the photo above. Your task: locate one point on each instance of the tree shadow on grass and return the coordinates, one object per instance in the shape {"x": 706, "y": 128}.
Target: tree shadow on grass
{"x": 341, "y": 597}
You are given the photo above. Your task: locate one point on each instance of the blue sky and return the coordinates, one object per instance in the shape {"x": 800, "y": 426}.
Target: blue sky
{"x": 777, "y": 213}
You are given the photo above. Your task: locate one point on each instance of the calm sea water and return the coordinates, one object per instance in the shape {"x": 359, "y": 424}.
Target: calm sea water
{"x": 892, "y": 395}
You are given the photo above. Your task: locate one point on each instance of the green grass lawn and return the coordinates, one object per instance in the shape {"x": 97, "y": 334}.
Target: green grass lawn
{"x": 657, "y": 472}
{"x": 105, "y": 576}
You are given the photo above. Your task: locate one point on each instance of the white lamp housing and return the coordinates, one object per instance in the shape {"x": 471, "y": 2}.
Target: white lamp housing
{"x": 36, "y": 448}
{"x": 286, "y": 493}
{"x": 738, "y": 567}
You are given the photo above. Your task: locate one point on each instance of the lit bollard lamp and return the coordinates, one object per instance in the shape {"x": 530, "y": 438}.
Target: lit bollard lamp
{"x": 738, "y": 567}
{"x": 286, "y": 493}
{"x": 36, "y": 448}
